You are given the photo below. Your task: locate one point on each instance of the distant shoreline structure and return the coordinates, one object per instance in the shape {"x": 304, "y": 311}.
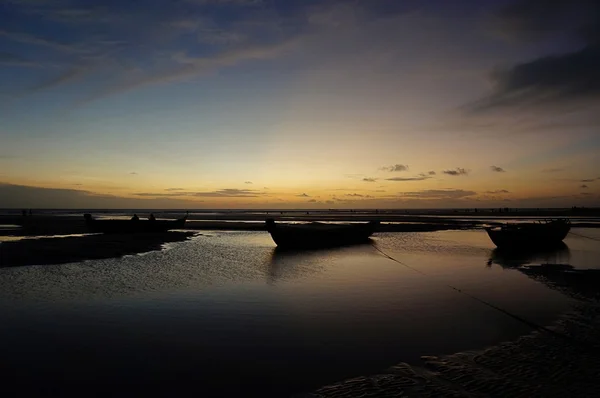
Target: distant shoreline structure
{"x": 449, "y": 210}
{"x": 69, "y": 221}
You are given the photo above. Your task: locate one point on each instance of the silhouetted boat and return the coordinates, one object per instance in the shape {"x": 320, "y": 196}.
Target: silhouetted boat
{"x": 132, "y": 226}
{"x": 530, "y": 235}
{"x": 314, "y": 235}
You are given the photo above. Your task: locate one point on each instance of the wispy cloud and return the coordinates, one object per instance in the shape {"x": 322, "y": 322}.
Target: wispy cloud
{"x": 498, "y": 191}
{"x": 29, "y": 196}
{"x": 27, "y": 38}
{"x": 64, "y": 77}
{"x": 221, "y": 193}
{"x": 584, "y": 186}
{"x": 231, "y": 192}
{"x": 368, "y": 179}
{"x": 459, "y": 171}
{"x": 173, "y": 189}
{"x": 439, "y": 194}
{"x": 497, "y": 169}
{"x": 135, "y": 45}
{"x": 248, "y": 182}
{"x": 418, "y": 178}
{"x": 131, "y": 45}
{"x": 431, "y": 173}
{"x": 161, "y": 194}
{"x": 303, "y": 195}
{"x": 395, "y": 167}
{"x": 556, "y": 78}
{"x": 185, "y": 67}
{"x": 16, "y": 60}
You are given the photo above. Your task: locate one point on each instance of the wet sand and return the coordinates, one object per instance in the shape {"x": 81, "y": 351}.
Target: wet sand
{"x": 562, "y": 361}
{"x": 46, "y": 251}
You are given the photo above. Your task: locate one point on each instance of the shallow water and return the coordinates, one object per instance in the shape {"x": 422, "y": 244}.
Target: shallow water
{"x": 228, "y": 311}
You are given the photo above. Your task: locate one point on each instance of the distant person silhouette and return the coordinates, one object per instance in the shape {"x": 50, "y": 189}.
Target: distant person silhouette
{"x": 135, "y": 218}
{"x": 152, "y": 218}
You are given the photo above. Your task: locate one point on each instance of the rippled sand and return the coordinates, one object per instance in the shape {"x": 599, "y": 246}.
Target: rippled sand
{"x": 560, "y": 363}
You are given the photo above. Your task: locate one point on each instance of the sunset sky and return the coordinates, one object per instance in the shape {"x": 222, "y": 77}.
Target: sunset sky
{"x": 299, "y": 103}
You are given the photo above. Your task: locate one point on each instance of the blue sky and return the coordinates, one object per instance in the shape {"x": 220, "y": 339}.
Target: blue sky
{"x": 118, "y": 99}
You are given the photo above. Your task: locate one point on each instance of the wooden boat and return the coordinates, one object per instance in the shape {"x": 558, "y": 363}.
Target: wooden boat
{"x": 314, "y": 235}
{"x": 132, "y": 226}
{"x": 530, "y": 235}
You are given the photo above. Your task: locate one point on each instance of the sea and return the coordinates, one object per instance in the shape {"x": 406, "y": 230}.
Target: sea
{"x": 227, "y": 313}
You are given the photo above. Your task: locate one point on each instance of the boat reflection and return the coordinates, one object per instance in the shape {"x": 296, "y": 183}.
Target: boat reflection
{"x": 511, "y": 258}
{"x": 296, "y": 263}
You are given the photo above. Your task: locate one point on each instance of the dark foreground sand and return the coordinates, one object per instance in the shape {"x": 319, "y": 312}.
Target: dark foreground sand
{"x": 45, "y": 251}
{"x": 562, "y": 362}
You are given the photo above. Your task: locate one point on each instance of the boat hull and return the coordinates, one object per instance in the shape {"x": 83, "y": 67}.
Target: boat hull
{"x": 130, "y": 226}
{"x": 319, "y": 235}
{"x": 530, "y": 236}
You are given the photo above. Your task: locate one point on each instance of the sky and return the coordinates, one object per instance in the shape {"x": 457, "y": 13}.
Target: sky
{"x": 299, "y": 103}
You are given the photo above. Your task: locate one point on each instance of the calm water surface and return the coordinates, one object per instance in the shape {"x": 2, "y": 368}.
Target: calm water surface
{"x": 227, "y": 312}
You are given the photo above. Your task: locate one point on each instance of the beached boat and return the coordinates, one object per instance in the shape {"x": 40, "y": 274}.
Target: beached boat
{"x": 530, "y": 235}
{"x": 132, "y": 226}
{"x": 314, "y": 235}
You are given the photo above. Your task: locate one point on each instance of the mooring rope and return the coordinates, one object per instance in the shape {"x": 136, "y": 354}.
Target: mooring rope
{"x": 527, "y": 322}
{"x": 583, "y": 236}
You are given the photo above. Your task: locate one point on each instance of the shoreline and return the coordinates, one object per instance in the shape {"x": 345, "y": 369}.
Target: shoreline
{"x": 458, "y": 212}
{"x": 45, "y": 240}
{"x": 536, "y": 365}
{"x": 45, "y": 225}
{"x": 563, "y": 361}
{"x": 51, "y": 251}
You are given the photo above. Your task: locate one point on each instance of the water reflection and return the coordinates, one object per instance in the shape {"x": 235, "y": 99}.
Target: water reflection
{"x": 559, "y": 254}
{"x": 200, "y": 315}
{"x": 296, "y": 263}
